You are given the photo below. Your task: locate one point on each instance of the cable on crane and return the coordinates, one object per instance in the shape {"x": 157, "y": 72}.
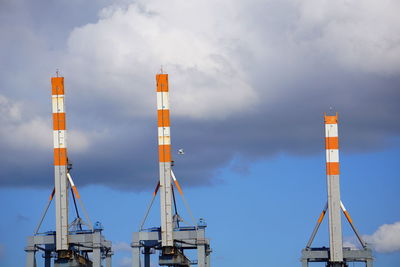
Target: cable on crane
{"x": 76, "y": 208}
{"x": 80, "y": 201}
{"x": 183, "y": 198}
{"x": 45, "y": 211}
{"x": 176, "y": 210}
{"x": 149, "y": 206}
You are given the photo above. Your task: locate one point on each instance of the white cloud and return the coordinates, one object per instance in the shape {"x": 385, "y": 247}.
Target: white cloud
{"x": 20, "y": 130}
{"x": 386, "y": 239}
{"x": 9, "y": 111}
{"x": 78, "y": 141}
{"x": 361, "y": 35}
{"x": 127, "y": 46}
{"x": 350, "y": 244}
{"x": 125, "y": 262}
{"x": 211, "y": 48}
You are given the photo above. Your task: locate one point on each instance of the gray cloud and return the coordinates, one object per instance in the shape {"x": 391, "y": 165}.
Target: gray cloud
{"x": 247, "y": 82}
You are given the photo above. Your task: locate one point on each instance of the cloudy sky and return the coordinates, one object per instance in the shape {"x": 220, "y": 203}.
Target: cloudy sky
{"x": 249, "y": 82}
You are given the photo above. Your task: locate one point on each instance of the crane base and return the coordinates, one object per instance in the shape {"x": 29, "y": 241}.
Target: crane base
{"x": 174, "y": 259}
{"x": 81, "y": 242}
{"x": 69, "y": 258}
{"x": 185, "y": 238}
{"x": 349, "y": 255}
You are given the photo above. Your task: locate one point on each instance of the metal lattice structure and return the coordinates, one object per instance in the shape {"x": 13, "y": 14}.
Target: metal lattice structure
{"x": 171, "y": 239}
{"x": 70, "y": 245}
{"x": 336, "y": 255}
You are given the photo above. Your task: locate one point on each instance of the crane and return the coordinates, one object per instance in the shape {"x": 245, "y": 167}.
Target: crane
{"x": 171, "y": 239}
{"x": 335, "y": 255}
{"x": 70, "y": 244}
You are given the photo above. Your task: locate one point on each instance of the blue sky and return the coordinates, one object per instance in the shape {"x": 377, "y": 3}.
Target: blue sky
{"x": 249, "y": 83}
{"x": 268, "y": 212}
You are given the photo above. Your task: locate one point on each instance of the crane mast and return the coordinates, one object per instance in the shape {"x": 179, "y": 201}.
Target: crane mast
{"x": 172, "y": 239}
{"x": 60, "y": 163}
{"x": 333, "y": 184}
{"x": 164, "y": 154}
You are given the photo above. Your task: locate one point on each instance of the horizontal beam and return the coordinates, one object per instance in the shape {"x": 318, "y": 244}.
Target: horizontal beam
{"x": 89, "y": 240}
{"x": 152, "y": 238}
{"x": 349, "y": 255}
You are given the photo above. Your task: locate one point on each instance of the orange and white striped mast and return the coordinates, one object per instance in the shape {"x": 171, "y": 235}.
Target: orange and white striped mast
{"x": 333, "y": 183}
{"x": 60, "y": 163}
{"x": 164, "y": 153}
{"x": 335, "y": 257}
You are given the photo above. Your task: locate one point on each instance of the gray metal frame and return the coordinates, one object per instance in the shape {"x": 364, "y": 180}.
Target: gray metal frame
{"x": 349, "y": 255}
{"x": 61, "y": 204}
{"x": 166, "y": 205}
{"x": 185, "y": 238}
{"x": 85, "y": 241}
{"x": 334, "y": 219}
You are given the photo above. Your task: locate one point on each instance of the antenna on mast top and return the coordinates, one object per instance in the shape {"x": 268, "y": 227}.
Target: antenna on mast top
{"x": 161, "y": 70}
{"x": 57, "y": 72}
{"x": 332, "y": 111}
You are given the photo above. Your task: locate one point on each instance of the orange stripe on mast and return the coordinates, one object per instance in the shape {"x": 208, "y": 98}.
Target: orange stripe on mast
{"x": 332, "y": 168}
{"x": 60, "y": 156}
{"x": 331, "y": 119}
{"x": 163, "y": 118}
{"x": 332, "y": 142}
{"x": 162, "y": 82}
{"x": 59, "y": 122}
{"x": 164, "y": 152}
{"x": 57, "y": 85}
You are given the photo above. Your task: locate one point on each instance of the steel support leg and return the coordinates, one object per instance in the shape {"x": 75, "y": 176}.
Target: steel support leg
{"x": 136, "y": 256}
{"x": 208, "y": 259}
{"x": 146, "y": 257}
{"x": 108, "y": 260}
{"x": 96, "y": 249}
{"x": 47, "y": 258}
{"x": 30, "y": 258}
{"x": 304, "y": 263}
{"x": 201, "y": 255}
{"x": 369, "y": 263}
{"x": 97, "y": 257}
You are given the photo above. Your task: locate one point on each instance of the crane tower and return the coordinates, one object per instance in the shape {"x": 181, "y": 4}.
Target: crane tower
{"x": 336, "y": 255}
{"x": 70, "y": 245}
{"x": 171, "y": 239}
